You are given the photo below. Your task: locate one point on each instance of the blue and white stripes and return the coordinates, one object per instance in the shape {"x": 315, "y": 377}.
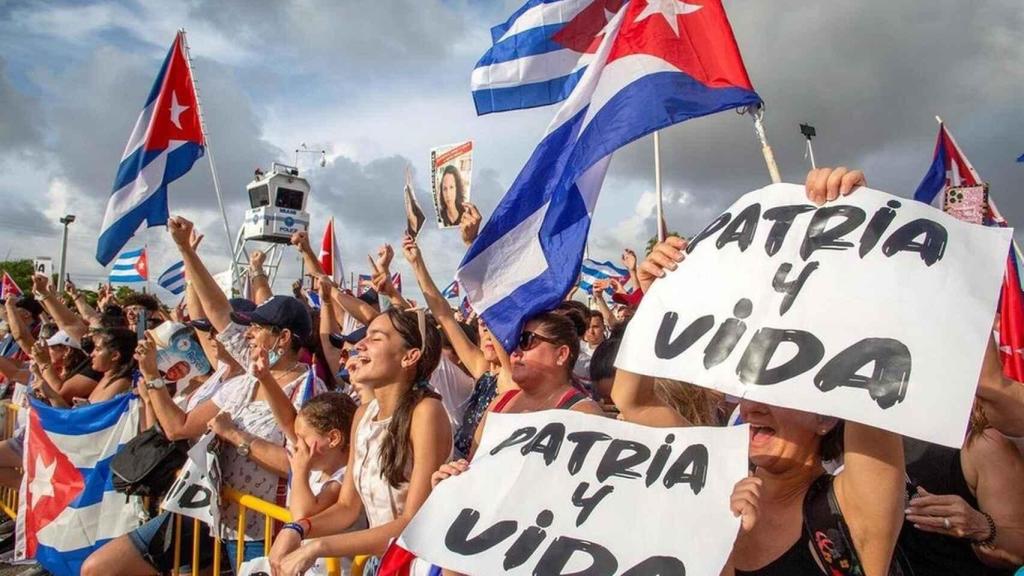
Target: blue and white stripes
{"x": 173, "y": 279}
{"x": 526, "y": 67}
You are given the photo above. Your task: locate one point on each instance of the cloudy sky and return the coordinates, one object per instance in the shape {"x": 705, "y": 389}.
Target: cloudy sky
{"x": 378, "y": 83}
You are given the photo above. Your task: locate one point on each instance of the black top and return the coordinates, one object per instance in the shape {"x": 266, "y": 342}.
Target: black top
{"x": 938, "y": 470}
{"x": 797, "y": 561}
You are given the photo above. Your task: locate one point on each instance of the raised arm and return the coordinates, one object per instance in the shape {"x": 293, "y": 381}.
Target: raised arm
{"x": 871, "y": 493}
{"x": 637, "y": 402}
{"x": 470, "y": 354}
{"x": 597, "y": 293}
{"x": 261, "y": 291}
{"x": 300, "y": 240}
{"x": 21, "y": 334}
{"x": 214, "y": 302}
{"x": 629, "y": 261}
{"x": 1002, "y": 399}
{"x": 280, "y": 405}
{"x": 66, "y": 320}
{"x": 87, "y": 313}
{"x": 328, "y": 324}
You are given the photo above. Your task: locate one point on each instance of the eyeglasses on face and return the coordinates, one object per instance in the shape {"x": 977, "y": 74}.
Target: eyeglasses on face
{"x": 529, "y": 340}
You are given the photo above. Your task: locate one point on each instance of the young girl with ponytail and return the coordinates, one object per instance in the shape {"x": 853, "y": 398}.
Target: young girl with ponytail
{"x": 399, "y": 439}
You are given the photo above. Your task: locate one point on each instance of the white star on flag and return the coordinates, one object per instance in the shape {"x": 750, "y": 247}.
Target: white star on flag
{"x": 670, "y": 10}
{"x": 176, "y": 110}
{"x": 42, "y": 482}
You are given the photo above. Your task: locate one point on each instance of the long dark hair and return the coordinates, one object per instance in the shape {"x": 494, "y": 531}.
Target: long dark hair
{"x": 396, "y": 448}
{"x": 460, "y": 192}
{"x": 123, "y": 341}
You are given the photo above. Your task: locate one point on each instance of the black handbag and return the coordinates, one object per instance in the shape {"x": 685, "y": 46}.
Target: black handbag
{"x": 148, "y": 464}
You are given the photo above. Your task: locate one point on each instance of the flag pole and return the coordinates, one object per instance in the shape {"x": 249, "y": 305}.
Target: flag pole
{"x": 757, "y": 113}
{"x": 209, "y": 152}
{"x": 657, "y": 187}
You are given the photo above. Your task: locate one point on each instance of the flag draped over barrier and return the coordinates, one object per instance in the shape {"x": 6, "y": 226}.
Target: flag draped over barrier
{"x": 67, "y": 506}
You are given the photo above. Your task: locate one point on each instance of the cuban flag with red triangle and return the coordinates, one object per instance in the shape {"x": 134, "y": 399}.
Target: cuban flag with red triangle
{"x": 167, "y": 140}
{"x": 658, "y": 62}
{"x": 67, "y": 506}
{"x": 950, "y": 167}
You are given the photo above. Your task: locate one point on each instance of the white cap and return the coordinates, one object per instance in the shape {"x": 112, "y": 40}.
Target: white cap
{"x": 61, "y": 338}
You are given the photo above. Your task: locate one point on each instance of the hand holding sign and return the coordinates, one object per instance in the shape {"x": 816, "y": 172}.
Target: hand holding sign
{"x": 828, "y": 310}
{"x": 665, "y": 255}
{"x": 594, "y": 470}
{"x": 469, "y": 223}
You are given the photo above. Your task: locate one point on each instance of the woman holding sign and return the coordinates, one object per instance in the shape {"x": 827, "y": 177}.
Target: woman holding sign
{"x": 796, "y": 519}
{"x": 399, "y": 439}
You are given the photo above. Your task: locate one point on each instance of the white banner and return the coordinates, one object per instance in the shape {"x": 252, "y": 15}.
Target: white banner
{"x": 196, "y": 492}
{"x": 557, "y": 491}
{"x": 873, "y": 308}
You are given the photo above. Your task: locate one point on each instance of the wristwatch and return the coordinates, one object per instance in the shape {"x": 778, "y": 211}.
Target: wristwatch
{"x": 243, "y": 448}
{"x": 156, "y": 384}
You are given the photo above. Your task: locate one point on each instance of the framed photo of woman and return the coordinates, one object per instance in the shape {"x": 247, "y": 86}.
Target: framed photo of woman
{"x": 451, "y": 168}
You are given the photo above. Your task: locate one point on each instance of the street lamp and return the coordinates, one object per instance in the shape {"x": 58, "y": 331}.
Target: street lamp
{"x": 64, "y": 253}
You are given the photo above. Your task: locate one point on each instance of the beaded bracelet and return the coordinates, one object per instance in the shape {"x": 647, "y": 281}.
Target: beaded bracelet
{"x": 297, "y": 527}
{"x": 991, "y": 531}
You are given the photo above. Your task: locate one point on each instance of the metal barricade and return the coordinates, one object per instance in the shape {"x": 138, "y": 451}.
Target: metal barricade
{"x": 9, "y": 496}
{"x": 246, "y": 502}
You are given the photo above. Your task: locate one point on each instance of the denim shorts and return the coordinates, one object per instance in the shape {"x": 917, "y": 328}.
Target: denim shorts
{"x": 155, "y": 542}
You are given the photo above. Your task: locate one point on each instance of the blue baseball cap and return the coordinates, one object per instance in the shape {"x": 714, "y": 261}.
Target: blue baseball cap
{"x": 282, "y": 312}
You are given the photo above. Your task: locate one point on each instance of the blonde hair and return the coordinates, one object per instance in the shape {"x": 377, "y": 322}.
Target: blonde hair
{"x": 691, "y": 402}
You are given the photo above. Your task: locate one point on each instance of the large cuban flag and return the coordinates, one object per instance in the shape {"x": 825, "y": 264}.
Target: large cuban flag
{"x": 658, "y": 63}
{"x": 67, "y": 506}
{"x": 539, "y": 54}
{"x": 167, "y": 140}
{"x": 950, "y": 167}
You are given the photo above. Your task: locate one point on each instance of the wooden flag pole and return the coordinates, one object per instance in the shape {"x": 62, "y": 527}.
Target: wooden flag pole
{"x": 657, "y": 188}
{"x": 769, "y": 158}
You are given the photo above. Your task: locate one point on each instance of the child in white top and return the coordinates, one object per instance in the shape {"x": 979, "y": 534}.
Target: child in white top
{"x": 319, "y": 453}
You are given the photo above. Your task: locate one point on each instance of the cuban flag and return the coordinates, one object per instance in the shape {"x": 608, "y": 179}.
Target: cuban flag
{"x": 539, "y": 54}
{"x": 466, "y": 308}
{"x": 330, "y": 261}
{"x": 659, "y": 62}
{"x": 8, "y": 287}
{"x": 167, "y": 140}
{"x": 173, "y": 279}
{"x": 130, "y": 267}
{"x": 67, "y": 507}
{"x": 950, "y": 167}
{"x": 591, "y": 271}
{"x": 451, "y": 291}
{"x": 396, "y": 281}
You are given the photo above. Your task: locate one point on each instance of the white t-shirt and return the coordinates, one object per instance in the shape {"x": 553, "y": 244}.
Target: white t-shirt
{"x": 455, "y": 388}
{"x": 254, "y": 417}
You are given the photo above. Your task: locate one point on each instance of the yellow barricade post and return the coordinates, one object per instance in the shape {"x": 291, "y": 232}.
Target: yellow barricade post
{"x": 9, "y": 506}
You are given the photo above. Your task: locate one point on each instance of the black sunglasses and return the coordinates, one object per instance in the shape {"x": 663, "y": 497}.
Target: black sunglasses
{"x": 529, "y": 340}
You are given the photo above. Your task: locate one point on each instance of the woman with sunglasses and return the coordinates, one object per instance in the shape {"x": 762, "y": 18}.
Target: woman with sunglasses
{"x": 399, "y": 439}
{"x": 484, "y": 362}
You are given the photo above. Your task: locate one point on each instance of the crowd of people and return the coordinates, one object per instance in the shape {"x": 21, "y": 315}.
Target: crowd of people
{"x": 351, "y": 414}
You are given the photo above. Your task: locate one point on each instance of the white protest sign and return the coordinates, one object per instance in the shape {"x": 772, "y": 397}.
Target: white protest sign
{"x": 872, "y": 308}
{"x": 556, "y": 492}
{"x": 43, "y": 265}
{"x": 196, "y": 492}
